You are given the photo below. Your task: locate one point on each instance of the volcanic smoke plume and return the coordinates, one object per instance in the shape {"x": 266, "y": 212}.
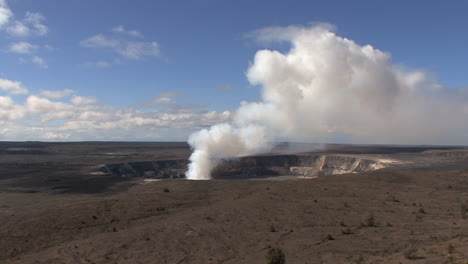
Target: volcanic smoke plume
{"x": 328, "y": 88}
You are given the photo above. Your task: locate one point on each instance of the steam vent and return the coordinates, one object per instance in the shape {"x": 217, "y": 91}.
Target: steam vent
{"x": 307, "y": 166}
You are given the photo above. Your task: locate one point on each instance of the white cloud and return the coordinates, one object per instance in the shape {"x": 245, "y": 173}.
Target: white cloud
{"x": 40, "y": 62}
{"x": 37, "y": 104}
{"x": 121, "y": 30}
{"x": 80, "y": 100}
{"x": 9, "y": 110}
{"x": 22, "y": 47}
{"x": 138, "y": 50}
{"x": 18, "y": 29}
{"x": 84, "y": 119}
{"x": 35, "y": 20}
{"x": 100, "y": 41}
{"x": 5, "y": 13}
{"x": 164, "y": 100}
{"x": 56, "y": 136}
{"x": 30, "y": 24}
{"x": 102, "y": 64}
{"x": 12, "y": 87}
{"x": 57, "y": 94}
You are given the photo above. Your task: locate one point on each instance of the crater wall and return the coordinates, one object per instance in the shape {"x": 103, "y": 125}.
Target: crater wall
{"x": 252, "y": 167}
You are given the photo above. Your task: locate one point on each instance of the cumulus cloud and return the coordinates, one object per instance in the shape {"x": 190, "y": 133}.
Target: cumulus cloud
{"x": 22, "y": 47}
{"x": 9, "y": 110}
{"x": 51, "y": 116}
{"x": 122, "y": 30}
{"x": 40, "y": 62}
{"x": 5, "y": 13}
{"x": 38, "y": 104}
{"x": 325, "y": 87}
{"x": 12, "y": 87}
{"x": 57, "y": 94}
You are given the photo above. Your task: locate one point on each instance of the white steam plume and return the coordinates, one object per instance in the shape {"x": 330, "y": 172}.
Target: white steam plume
{"x": 327, "y": 87}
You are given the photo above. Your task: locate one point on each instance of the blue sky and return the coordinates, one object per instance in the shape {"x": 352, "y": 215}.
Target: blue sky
{"x": 189, "y": 57}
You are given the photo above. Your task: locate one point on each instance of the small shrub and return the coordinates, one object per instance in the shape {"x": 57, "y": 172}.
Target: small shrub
{"x": 450, "y": 249}
{"x": 359, "y": 260}
{"x": 370, "y": 222}
{"x": 450, "y": 260}
{"x": 328, "y": 237}
{"x": 346, "y": 204}
{"x": 464, "y": 209}
{"x": 166, "y": 190}
{"x": 422, "y": 211}
{"x": 410, "y": 253}
{"x": 275, "y": 256}
{"x": 347, "y": 231}
{"x": 272, "y": 229}
{"x": 394, "y": 199}
{"x": 342, "y": 223}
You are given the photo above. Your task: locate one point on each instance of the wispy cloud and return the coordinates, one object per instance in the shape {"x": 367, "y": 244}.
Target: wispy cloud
{"x": 164, "y": 98}
{"x": 80, "y": 100}
{"x": 225, "y": 88}
{"x": 122, "y": 45}
{"x": 22, "y": 47}
{"x": 40, "y": 62}
{"x": 127, "y": 49}
{"x": 57, "y": 94}
{"x": 31, "y": 24}
{"x": 102, "y": 64}
{"x": 122, "y": 30}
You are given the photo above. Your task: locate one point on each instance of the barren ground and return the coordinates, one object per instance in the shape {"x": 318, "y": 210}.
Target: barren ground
{"x": 54, "y": 208}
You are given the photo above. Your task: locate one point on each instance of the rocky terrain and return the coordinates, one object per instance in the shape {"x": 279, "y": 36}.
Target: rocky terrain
{"x": 74, "y": 203}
